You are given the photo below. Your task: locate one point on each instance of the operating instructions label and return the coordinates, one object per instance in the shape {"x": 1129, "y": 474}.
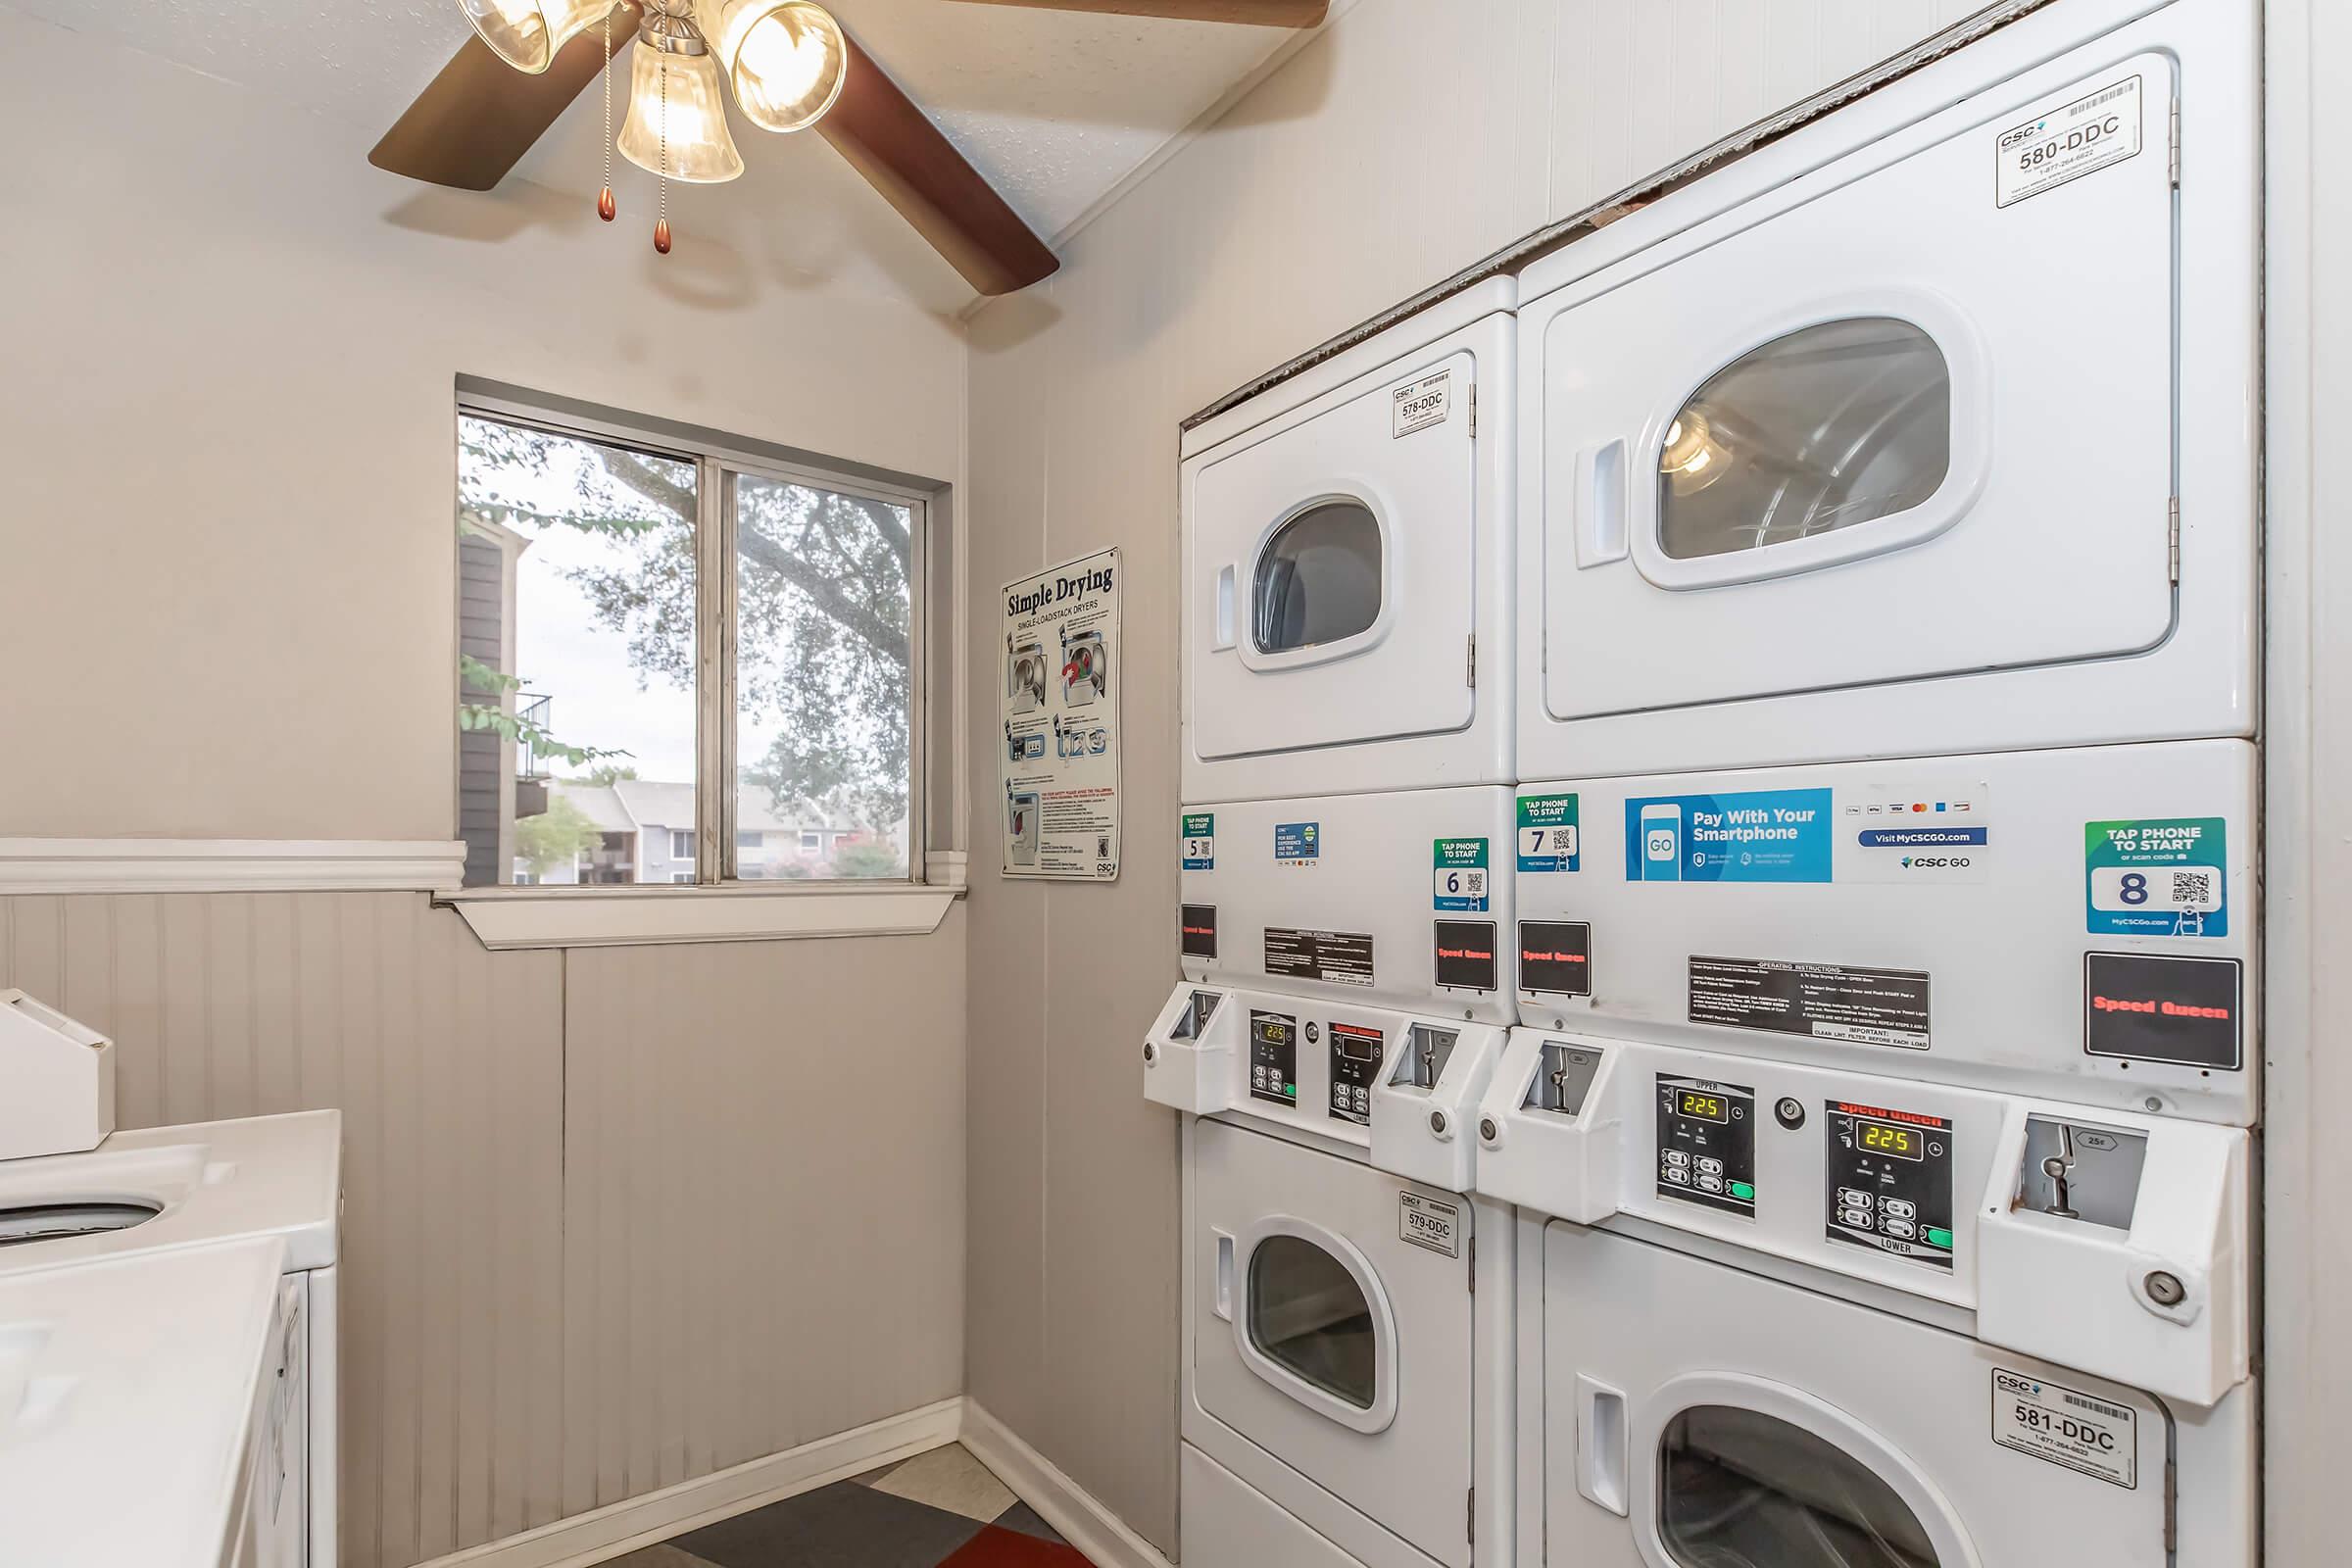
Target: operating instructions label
{"x": 1820, "y": 1001}
{"x": 1343, "y": 957}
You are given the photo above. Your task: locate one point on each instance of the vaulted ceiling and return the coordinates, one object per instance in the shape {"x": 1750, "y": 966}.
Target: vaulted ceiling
{"x": 1055, "y": 108}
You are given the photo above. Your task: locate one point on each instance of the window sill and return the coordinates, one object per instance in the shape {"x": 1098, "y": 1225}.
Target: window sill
{"x": 505, "y": 918}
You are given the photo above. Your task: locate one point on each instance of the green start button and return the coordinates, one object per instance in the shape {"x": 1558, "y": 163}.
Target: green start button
{"x": 1746, "y": 1192}
{"x": 1937, "y": 1236}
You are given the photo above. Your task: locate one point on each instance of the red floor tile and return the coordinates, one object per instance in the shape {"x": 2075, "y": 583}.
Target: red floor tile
{"x": 994, "y": 1548}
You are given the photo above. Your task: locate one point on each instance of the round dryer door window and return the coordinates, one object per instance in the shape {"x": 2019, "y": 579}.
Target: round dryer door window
{"x": 1318, "y": 578}
{"x": 1827, "y": 429}
{"x": 1741, "y": 1488}
{"x": 1310, "y": 1315}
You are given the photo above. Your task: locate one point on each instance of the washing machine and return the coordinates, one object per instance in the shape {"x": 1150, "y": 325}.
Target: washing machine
{"x": 1348, "y": 579}
{"x": 1792, "y": 1317}
{"x": 2073, "y": 923}
{"x": 162, "y": 1190}
{"x": 138, "y": 1438}
{"x": 1929, "y": 429}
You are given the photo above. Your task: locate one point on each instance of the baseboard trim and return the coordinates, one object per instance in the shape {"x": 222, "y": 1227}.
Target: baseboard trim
{"x": 1061, "y": 1502}
{"x": 623, "y": 1527}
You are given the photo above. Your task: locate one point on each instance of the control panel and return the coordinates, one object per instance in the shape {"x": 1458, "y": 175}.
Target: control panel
{"x": 1890, "y": 1180}
{"x": 1274, "y": 1057}
{"x": 1356, "y": 1058}
{"x": 1707, "y": 1144}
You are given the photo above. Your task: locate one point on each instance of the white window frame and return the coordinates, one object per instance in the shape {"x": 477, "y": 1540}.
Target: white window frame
{"x": 718, "y": 906}
{"x": 677, "y": 836}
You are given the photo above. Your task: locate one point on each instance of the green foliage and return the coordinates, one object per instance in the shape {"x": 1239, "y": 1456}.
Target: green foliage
{"x": 870, "y": 857}
{"x": 555, "y": 836}
{"x": 521, "y": 731}
{"x": 609, "y": 773}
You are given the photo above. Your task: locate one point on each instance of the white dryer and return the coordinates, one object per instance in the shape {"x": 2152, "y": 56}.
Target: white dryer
{"x": 1346, "y": 1360}
{"x": 1348, "y": 587}
{"x": 162, "y": 1190}
{"x": 1929, "y": 428}
{"x": 1790, "y": 1317}
{"x": 2069, "y": 923}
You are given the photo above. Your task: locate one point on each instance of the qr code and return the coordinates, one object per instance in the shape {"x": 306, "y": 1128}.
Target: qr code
{"x": 2194, "y": 889}
{"x": 1102, "y": 846}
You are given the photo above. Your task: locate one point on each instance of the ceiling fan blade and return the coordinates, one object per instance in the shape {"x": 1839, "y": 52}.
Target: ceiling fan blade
{"x": 902, "y": 155}
{"x": 1256, "y": 13}
{"x": 476, "y": 118}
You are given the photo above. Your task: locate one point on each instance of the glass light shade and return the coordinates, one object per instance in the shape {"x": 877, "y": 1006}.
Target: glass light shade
{"x": 785, "y": 58}
{"x": 701, "y": 149}
{"x": 528, "y": 33}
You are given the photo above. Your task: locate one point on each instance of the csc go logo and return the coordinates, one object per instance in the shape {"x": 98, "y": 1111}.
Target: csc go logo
{"x": 1937, "y": 863}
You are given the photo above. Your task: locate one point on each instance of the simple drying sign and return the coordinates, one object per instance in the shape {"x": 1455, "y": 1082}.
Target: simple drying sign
{"x": 1059, "y": 701}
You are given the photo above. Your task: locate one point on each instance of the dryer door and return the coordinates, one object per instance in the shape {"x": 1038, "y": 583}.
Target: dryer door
{"x": 1697, "y": 1416}
{"x": 1328, "y": 1341}
{"x": 1331, "y": 560}
{"x": 1912, "y": 427}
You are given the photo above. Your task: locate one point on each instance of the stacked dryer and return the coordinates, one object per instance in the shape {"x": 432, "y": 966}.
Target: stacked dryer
{"x": 1348, "y": 980}
{"x": 1881, "y": 1113}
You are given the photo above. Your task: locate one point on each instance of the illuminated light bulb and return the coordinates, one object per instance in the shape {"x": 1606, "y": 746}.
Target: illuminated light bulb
{"x": 701, "y": 148}
{"x": 1691, "y": 456}
{"x": 529, "y": 35}
{"x": 785, "y": 58}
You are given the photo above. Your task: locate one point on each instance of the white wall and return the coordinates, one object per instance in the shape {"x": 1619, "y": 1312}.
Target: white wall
{"x": 1401, "y": 145}
{"x": 230, "y": 346}
{"x": 581, "y": 1186}
{"x": 2307, "y": 872}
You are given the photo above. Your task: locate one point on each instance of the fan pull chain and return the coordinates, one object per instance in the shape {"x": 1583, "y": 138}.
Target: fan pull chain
{"x": 662, "y": 223}
{"x": 605, "y": 207}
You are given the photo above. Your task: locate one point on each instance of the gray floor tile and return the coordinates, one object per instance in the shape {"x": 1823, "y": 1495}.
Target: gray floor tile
{"x": 841, "y": 1526}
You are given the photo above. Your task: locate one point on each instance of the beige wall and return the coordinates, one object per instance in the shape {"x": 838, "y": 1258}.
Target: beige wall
{"x": 230, "y": 348}
{"x": 601, "y": 1234}
{"x": 603, "y": 1231}
{"x": 1389, "y": 152}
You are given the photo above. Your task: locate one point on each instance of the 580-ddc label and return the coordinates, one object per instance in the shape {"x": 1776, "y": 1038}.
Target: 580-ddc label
{"x": 1820, "y": 1001}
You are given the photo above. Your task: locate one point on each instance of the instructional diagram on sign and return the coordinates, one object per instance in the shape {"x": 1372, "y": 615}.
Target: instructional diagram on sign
{"x": 1059, "y": 706}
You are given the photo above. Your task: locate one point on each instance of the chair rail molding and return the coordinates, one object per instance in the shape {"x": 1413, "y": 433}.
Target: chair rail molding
{"x": 229, "y": 865}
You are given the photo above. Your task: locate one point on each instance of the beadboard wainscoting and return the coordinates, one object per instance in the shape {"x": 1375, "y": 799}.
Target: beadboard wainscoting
{"x": 614, "y": 1219}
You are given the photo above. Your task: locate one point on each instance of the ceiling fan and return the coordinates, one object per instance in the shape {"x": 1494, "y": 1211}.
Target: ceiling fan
{"x": 788, "y": 65}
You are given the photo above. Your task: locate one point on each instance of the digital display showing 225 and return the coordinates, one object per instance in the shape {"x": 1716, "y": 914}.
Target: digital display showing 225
{"x": 1709, "y": 1108}
{"x": 1888, "y": 1138}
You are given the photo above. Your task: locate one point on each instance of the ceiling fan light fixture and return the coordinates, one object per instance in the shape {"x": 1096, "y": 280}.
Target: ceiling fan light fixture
{"x": 786, "y": 59}
{"x": 673, "y": 76}
{"x": 529, "y": 35}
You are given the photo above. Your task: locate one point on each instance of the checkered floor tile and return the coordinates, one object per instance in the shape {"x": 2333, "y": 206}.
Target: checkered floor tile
{"x": 941, "y": 1509}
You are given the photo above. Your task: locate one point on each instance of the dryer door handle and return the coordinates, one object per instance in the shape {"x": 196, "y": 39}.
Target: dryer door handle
{"x": 1224, "y": 637}
{"x": 1599, "y": 501}
{"x": 1222, "y": 1304}
{"x": 1601, "y": 1443}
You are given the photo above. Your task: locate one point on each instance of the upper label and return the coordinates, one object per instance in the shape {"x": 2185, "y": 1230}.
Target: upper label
{"x": 1752, "y": 836}
{"x": 1418, "y": 405}
{"x": 2157, "y": 877}
{"x": 1547, "y": 834}
{"x": 2085, "y": 136}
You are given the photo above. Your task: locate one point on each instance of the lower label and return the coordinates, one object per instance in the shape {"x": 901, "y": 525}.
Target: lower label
{"x": 1556, "y": 957}
{"x": 2066, "y": 1427}
{"x": 1200, "y": 925}
{"x": 2145, "y": 1007}
{"x": 1465, "y": 955}
{"x": 1821, "y": 1000}
{"x": 1430, "y": 1222}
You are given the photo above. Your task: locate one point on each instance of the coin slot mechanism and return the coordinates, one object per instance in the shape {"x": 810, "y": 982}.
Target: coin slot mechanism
{"x": 1195, "y": 1019}
{"x": 2080, "y": 1171}
{"x": 1564, "y": 1078}
{"x": 1422, "y": 1062}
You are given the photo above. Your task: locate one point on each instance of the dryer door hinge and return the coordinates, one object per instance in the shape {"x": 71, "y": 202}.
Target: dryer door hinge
{"x": 1474, "y": 1265}
{"x": 1474, "y": 384}
{"x": 1470, "y": 1514}
{"x": 2172, "y": 541}
{"x": 2175, "y": 144}
{"x": 1473, "y": 666}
